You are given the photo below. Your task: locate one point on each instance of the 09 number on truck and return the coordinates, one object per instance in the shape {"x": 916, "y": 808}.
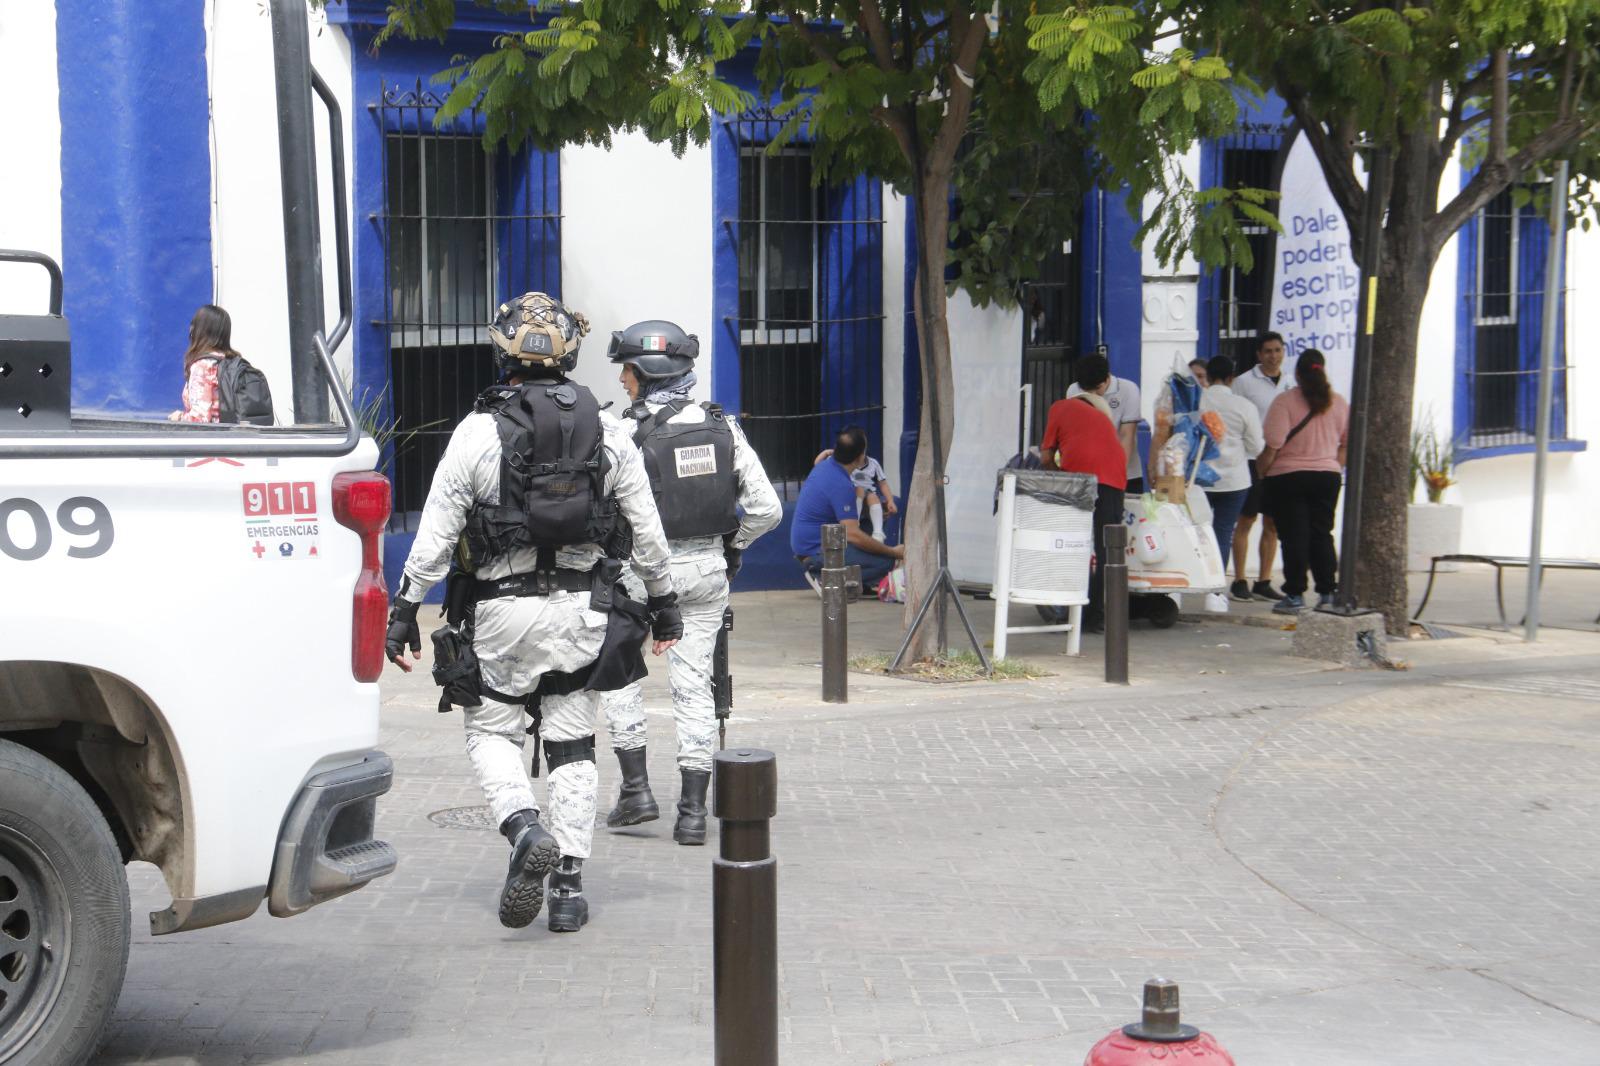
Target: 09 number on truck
{"x": 19, "y": 511}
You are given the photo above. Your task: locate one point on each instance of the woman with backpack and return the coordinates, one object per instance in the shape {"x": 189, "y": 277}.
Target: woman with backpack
{"x": 1302, "y": 471}
{"x": 219, "y": 384}
{"x": 210, "y": 341}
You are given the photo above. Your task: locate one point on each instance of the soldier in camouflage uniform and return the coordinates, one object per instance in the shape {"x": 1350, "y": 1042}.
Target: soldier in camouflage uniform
{"x": 532, "y": 620}
{"x": 704, "y": 474}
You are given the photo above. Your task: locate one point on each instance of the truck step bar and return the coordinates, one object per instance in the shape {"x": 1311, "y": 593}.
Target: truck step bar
{"x": 326, "y": 847}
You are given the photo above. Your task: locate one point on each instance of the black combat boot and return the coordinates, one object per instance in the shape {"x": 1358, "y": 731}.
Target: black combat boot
{"x": 635, "y": 804}
{"x": 569, "y": 911}
{"x": 534, "y": 854}
{"x": 691, "y": 827}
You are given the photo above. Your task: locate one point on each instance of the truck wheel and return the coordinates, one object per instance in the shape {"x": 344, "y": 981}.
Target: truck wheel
{"x": 64, "y": 919}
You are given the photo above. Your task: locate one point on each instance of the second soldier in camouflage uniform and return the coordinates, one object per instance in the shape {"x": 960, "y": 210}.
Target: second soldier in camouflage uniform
{"x": 704, "y": 474}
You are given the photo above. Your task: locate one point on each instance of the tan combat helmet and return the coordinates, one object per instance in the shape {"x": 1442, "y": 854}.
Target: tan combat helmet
{"x": 536, "y": 330}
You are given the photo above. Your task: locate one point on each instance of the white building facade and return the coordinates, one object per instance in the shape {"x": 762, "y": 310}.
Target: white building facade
{"x": 146, "y": 162}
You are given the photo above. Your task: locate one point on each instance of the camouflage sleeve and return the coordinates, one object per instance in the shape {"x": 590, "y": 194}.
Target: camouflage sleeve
{"x": 450, "y": 497}
{"x": 757, "y": 500}
{"x": 629, "y": 483}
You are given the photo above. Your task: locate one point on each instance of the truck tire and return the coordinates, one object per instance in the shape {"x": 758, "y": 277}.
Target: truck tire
{"x": 64, "y": 920}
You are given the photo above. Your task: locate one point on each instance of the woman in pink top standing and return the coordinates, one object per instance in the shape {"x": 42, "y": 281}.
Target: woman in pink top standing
{"x": 1302, "y": 466}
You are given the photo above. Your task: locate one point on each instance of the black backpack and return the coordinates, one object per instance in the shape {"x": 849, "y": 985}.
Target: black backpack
{"x": 552, "y": 472}
{"x": 242, "y": 392}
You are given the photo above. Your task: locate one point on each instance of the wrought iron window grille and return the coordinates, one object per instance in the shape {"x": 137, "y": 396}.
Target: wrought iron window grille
{"x": 463, "y": 228}
{"x": 809, "y": 320}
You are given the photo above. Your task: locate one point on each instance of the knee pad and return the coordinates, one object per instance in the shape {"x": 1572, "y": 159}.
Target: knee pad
{"x": 558, "y": 753}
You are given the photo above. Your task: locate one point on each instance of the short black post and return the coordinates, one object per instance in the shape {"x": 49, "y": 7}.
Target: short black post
{"x": 835, "y": 624}
{"x": 744, "y": 893}
{"x": 1115, "y": 565}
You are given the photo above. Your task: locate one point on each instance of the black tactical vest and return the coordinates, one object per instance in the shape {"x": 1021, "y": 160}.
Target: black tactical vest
{"x": 552, "y": 472}
{"x": 691, "y": 470}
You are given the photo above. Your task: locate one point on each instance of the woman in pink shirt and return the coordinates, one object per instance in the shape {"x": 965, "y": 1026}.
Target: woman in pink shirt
{"x": 1302, "y": 467}
{"x": 210, "y": 341}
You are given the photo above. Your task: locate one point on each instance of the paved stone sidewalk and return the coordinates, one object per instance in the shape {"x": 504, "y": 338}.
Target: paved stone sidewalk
{"x": 1339, "y": 868}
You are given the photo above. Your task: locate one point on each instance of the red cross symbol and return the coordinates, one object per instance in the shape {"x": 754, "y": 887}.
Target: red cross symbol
{"x": 259, "y": 550}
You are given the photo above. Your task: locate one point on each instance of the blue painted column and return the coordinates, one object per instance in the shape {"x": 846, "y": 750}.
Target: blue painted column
{"x": 135, "y": 195}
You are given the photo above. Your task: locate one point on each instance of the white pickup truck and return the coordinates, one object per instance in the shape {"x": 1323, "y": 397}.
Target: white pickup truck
{"x": 191, "y": 633}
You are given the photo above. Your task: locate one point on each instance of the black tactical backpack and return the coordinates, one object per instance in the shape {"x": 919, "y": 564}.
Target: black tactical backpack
{"x": 552, "y": 472}
{"x": 690, "y": 465}
{"x": 242, "y": 392}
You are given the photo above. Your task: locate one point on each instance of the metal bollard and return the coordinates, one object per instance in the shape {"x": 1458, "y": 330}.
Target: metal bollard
{"x": 835, "y": 624}
{"x": 744, "y": 893}
{"x": 1116, "y": 596}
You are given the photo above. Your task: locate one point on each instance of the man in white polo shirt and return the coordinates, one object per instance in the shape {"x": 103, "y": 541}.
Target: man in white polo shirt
{"x": 1122, "y": 396}
{"x": 1261, "y": 384}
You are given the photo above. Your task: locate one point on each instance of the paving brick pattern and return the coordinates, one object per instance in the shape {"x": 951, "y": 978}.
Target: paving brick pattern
{"x": 1339, "y": 869}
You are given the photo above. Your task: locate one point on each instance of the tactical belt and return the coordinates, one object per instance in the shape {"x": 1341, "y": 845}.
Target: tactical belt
{"x": 536, "y": 583}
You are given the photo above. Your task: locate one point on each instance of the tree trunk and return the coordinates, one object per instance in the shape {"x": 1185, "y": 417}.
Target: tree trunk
{"x": 1381, "y": 565}
{"x": 922, "y": 525}
{"x": 1407, "y": 266}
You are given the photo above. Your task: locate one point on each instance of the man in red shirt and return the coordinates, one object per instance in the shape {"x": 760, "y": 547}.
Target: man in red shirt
{"x": 1079, "y": 438}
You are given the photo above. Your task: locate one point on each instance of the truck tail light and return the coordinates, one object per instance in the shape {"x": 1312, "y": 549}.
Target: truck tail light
{"x": 361, "y": 503}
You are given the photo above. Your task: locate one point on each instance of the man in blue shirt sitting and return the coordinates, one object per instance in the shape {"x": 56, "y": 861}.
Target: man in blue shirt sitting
{"x": 828, "y": 496}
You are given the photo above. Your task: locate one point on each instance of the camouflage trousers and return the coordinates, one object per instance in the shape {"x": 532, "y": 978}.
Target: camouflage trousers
{"x": 517, "y": 640}
{"x": 701, "y": 583}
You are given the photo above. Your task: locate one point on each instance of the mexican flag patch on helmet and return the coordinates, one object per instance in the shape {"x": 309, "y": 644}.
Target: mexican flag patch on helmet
{"x": 653, "y": 344}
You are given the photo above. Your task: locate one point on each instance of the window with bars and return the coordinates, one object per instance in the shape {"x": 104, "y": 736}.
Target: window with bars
{"x": 810, "y": 310}
{"x": 1505, "y": 307}
{"x": 1235, "y": 304}
{"x": 1243, "y": 299}
{"x": 463, "y": 229}
{"x": 1050, "y": 333}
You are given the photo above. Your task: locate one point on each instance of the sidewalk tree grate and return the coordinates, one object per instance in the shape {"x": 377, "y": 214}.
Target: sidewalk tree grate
{"x": 1568, "y": 686}
{"x": 463, "y": 818}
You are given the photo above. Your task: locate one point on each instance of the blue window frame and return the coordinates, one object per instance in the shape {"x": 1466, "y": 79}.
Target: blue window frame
{"x": 1499, "y": 331}
{"x": 461, "y": 229}
{"x": 799, "y": 294}
{"x": 1234, "y": 303}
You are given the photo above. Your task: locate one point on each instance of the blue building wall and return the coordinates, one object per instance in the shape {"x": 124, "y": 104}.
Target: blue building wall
{"x": 135, "y": 196}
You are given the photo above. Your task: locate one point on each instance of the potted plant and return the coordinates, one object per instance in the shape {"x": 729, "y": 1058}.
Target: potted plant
{"x": 1433, "y": 528}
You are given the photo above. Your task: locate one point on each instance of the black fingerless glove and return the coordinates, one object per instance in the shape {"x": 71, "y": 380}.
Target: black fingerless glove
{"x": 666, "y": 622}
{"x": 735, "y": 560}
{"x": 403, "y": 630}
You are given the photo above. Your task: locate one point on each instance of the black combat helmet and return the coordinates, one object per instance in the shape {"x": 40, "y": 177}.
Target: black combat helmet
{"x": 655, "y": 349}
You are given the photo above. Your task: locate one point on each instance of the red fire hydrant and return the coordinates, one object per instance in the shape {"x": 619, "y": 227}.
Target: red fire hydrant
{"x": 1158, "y": 1036}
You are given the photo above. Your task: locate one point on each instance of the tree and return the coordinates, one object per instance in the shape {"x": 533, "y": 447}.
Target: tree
{"x": 933, "y": 97}
{"x": 1513, "y": 84}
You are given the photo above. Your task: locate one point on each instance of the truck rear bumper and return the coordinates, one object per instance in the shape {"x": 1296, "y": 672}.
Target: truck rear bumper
{"x": 326, "y": 847}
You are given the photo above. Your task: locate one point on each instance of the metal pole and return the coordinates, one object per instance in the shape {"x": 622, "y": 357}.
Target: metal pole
{"x": 1547, "y": 359}
{"x": 835, "y": 619}
{"x": 721, "y": 679}
{"x": 1115, "y": 565}
{"x": 1002, "y": 561}
{"x": 1345, "y": 598}
{"x": 744, "y": 910}
{"x": 297, "y": 161}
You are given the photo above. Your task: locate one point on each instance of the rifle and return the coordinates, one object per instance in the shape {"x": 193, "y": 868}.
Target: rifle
{"x": 721, "y": 680}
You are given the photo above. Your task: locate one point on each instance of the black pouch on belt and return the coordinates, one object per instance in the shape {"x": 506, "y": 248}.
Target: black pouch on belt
{"x": 621, "y": 659}
{"x": 455, "y": 669}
